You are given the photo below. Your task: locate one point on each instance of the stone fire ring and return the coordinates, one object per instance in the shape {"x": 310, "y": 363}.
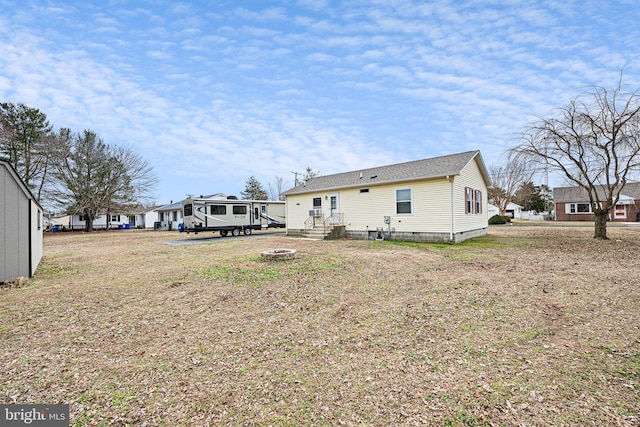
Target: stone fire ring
{"x": 278, "y": 254}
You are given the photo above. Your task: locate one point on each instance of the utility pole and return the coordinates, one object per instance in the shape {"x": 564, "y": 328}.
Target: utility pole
{"x": 295, "y": 179}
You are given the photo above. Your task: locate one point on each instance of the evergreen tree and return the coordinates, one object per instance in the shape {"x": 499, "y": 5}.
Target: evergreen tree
{"x": 254, "y": 190}
{"x": 24, "y": 142}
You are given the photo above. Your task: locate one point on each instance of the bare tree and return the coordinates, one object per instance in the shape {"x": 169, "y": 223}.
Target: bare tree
{"x": 594, "y": 142}
{"x": 276, "y": 189}
{"x": 310, "y": 174}
{"x": 143, "y": 179}
{"x": 505, "y": 181}
{"x": 91, "y": 178}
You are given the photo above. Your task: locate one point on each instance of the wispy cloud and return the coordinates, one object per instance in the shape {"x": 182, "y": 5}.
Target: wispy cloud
{"x": 213, "y": 96}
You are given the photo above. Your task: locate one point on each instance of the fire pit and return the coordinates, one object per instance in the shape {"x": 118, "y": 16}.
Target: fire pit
{"x": 279, "y": 254}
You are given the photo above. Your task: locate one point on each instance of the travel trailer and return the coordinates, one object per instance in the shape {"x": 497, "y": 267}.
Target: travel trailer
{"x": 229, "y": 215}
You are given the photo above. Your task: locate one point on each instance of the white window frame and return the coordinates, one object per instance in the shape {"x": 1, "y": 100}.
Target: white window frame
{"x": 619, "y": 211}
{"x": 404, "y": 201}
{"x": 572, "y": 208}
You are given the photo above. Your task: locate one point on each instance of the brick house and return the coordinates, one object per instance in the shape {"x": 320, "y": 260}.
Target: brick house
{"x": 572, "y": 204}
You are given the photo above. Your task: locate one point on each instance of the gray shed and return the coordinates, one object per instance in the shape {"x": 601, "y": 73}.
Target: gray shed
{"x": 21, "y": 227}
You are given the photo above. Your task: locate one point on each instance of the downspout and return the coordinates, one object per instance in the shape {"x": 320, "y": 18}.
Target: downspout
{"x": 450, "y": 179}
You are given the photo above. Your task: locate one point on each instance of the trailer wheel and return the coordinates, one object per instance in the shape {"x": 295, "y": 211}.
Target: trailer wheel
{"x": 223, "y": 233}
{"x": 247, "y": 231}
{"x": 236, "y": 232}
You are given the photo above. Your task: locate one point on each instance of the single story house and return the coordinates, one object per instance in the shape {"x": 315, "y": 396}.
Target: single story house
{"x": 21, "y": 227}
{"x": 572, "y": 204}
{"x": 102, "y": 222}
{"x": 144, "y": 217}
{"x": 57, "y": 221}
{"x": 169, "y": 216}
{"x": 437, "y": 199}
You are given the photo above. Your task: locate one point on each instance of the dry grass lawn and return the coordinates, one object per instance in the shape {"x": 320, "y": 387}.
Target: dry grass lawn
{"x": 526, "y": 326}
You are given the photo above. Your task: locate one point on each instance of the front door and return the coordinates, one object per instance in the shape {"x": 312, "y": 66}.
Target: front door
{"x": 334, "y": 208}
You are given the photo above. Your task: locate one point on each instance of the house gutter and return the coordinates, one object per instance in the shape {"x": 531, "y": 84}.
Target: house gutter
{"x": 450, "y": 179}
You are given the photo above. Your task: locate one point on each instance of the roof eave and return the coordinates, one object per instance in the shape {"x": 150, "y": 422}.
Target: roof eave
{"x": 370, "y": 184}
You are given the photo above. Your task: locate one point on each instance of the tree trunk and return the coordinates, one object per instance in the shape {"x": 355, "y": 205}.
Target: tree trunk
{"x": 601, "y": 225}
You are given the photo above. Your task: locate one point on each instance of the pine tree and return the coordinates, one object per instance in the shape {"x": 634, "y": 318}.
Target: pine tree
{"x": 254, "y": 190}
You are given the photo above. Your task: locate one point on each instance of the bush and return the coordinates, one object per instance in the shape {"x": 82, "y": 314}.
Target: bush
{"x": 497, "y": 219}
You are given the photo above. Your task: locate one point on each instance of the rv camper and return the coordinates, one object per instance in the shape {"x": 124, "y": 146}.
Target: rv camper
{"x": 231, "y": 215}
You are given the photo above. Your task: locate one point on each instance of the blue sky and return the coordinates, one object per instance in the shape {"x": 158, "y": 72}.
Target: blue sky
{"x": 213, "y": 92}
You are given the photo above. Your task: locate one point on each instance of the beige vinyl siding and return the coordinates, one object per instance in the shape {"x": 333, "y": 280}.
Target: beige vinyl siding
{"x": 298, "y": 207}
{"x": 472, "y": 178}
{"x": 429, "y": 207}
{"x": 429, "y": 204}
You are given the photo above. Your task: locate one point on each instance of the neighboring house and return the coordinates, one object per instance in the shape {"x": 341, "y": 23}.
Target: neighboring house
{"x": 58, "y": 222}
{"x": 21, "y": 227}
{"x": 169, "y": 216}
{"x": 102, "y": 222}
{"x": 144, "y": 217}
{"x": 513, "y": 211}
{"x": 151, "y": 218}
{"x": 437, "y": 199}
{"x": 572, "y": 204}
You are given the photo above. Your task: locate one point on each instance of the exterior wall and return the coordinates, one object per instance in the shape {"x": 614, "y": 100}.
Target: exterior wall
{"x": 61, "y": 221}
{"x": 365, "y": 212}
{"x": 470, "y": 177}
{"x": 513, "y": 210}
{"x": 150, "y": 218}
{"x": 143, "y": 220}
{"x": 21, "y": 228}
{"x": 631, "y": 213}
{"x": 433, "y": 218}
{"x": 100, "y": 223}
{"x": 167, "y": 221}
{"x": 37, "y": 236}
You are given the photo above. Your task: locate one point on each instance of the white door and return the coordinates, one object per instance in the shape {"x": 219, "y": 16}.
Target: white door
{"x": 334, "y": 208}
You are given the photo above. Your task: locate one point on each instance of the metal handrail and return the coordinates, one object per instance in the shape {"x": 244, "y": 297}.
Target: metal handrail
{"x": 308, "y": 224}
{"x": 333, "y": 217}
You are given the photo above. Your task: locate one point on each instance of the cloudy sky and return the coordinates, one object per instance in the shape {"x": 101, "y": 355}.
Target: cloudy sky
{"x": 213, "y": 92}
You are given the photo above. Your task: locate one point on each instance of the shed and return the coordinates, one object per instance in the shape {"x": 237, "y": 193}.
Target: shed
{"x": 21, "y": 227}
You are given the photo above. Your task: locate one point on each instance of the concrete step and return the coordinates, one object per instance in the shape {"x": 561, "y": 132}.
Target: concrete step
{"x": 317, "y": 232}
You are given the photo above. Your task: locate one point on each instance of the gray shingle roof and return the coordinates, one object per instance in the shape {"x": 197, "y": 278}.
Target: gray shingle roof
{"x": 579, "y": 194}
{"x": 437, "y": 167}
{"x": 170, "y": 207}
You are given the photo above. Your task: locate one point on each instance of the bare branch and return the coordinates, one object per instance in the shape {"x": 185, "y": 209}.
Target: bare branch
{"x": 594, "y": 142}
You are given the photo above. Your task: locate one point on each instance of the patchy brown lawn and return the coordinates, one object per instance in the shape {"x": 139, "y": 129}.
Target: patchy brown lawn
{"x": 527, "y": 326}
